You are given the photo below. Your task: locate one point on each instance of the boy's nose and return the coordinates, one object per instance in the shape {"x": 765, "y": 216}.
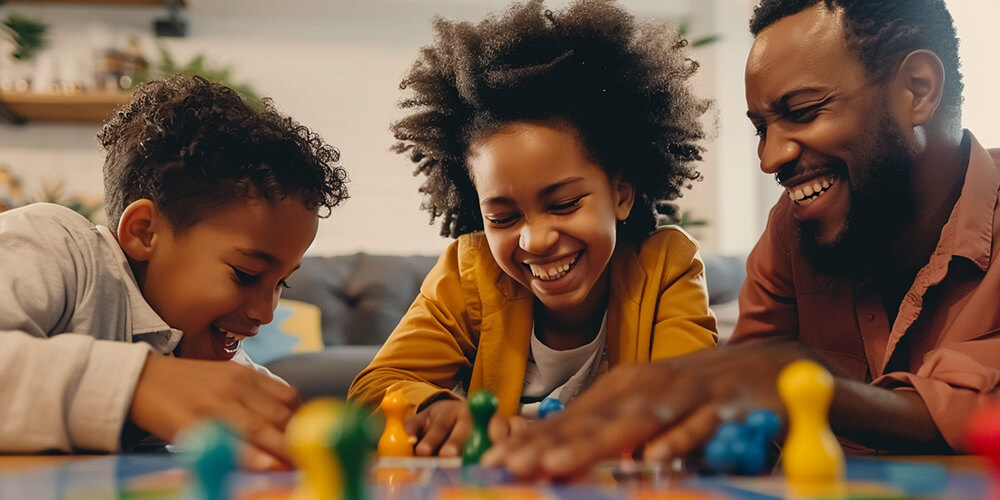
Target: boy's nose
{"x": 261, "y": 308}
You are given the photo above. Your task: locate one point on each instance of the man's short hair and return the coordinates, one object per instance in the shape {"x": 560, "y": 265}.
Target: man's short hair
{"x": 882, "y": 32}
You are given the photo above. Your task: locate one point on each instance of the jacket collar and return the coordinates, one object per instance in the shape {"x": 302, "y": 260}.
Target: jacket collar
{"x": 147, "y": 326}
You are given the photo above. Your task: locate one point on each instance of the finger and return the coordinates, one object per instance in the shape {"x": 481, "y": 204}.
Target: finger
{"x": 499, "y": 429}
{"x": 258, "y": 432}
{"x": 456, "y": 439}
{"x": 285, "y": 395}
{"x": 518, "y": 425}
{"x": 438, "y": 426}
{"x": 415, "y": 424}
{"x": 257, "y": 460}
{"x": 618, "y": 430}
{"x": 610, "y": 440}
{"x": 687, "y": 436}
{"x": 522, "y": 455}
{"x": 274, "y": 411}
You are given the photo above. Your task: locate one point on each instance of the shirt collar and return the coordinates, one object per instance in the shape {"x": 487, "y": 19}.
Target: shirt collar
{"x": 147, "y": 326}
{"x": 969, "y": 231}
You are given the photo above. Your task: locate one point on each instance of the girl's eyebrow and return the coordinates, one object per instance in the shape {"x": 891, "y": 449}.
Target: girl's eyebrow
{"x": 546, "y": 191}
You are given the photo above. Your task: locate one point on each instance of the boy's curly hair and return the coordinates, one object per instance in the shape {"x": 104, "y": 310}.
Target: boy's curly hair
{"x": 191, "y": 146}
{"x": 622, "y": 85}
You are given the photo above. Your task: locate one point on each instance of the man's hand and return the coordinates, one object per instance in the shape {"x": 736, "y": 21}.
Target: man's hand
{"x": 174, "y": 394}
{"x": 672, "y": 407}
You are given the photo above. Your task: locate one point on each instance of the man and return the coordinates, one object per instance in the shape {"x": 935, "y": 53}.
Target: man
{"x": 879, "y": 263}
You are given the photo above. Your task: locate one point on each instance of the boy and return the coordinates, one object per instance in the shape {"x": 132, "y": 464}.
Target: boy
{"x": 211, "y": 204}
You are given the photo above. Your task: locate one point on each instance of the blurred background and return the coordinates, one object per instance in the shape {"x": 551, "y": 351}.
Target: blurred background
{"x": 335, "y": 66}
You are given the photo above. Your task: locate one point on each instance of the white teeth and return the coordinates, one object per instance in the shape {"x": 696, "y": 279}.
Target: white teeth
{"x": 805, "y": 194}
{"x": 553, "y": 272}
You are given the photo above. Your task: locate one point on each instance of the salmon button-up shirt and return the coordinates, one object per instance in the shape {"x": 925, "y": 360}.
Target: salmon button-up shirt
{"x": 945, "y": 341}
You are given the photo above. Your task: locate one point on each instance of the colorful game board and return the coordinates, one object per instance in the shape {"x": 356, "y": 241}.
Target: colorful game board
{"x": 160, "y": 476}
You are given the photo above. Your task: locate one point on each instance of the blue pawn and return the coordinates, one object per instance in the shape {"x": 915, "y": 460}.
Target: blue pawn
{"x": 549, "y": 406}
{"x": 727, "y": 449}
{"x": 765, "y": 423}
{"x": 754, "y": 456}
{"x": 210, "y": 453}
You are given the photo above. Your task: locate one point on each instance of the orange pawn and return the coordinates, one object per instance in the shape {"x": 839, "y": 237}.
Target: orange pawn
{"x": 395, "y": 442}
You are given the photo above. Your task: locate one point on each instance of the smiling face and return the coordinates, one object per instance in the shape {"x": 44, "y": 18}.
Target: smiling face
{"x": 827, "y": 134}
{"x": 220, "y": 279}
{"x": 549, "y": 213}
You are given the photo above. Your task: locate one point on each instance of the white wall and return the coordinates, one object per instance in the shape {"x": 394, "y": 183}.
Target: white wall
{"x": 334, "y": 66}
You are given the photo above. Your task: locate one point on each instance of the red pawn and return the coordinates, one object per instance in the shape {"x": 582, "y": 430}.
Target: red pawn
{"x": 982, "y": 433}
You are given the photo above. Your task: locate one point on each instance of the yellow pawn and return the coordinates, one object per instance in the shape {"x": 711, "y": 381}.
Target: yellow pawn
{"x": 812, "y": 458}
{"x": 308, "y": 439}
{"x": 395, "y": 442}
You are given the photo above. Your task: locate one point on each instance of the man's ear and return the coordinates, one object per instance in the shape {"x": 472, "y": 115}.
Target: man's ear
{"x": 137, "y": 229}
{"x": 921, "y": 79}
{"x": 626, "y": 198}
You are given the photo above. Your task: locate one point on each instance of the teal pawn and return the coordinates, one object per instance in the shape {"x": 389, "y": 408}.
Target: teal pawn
{"x": 209, "y": 450}
{"x": 351, "y": 440}
{"x": 482, "y": 405}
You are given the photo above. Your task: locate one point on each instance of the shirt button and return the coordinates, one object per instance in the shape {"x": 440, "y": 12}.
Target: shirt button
{"x": 871, "y": 317}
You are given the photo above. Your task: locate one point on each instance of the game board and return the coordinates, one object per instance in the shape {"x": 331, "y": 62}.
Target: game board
{"x": 160, "y": 476}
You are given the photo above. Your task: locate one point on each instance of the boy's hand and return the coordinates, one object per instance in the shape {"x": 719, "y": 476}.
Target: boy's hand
{"x": 173, "y": 394}
{"x": 441, "y": 428}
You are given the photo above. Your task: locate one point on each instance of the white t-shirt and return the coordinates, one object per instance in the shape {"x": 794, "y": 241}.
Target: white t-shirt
{"x": 561, "y": 374}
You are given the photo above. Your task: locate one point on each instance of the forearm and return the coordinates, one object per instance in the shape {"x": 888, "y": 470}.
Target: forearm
{"x": 883, "y": 419}
{"x": 879, "y": 418}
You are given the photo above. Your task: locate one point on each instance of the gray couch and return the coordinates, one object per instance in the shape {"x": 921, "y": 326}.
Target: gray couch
{"x": 362, "y": 297}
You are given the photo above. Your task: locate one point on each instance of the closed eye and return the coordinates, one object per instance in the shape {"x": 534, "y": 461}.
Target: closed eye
{"x": 567, "y": 207}
{"x": 501, "y": 221}
{"x": 803, "y": 115}
{"x": 245, "y": 278}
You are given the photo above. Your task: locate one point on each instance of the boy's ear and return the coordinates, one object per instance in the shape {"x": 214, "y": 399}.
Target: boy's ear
{"x": 137, "y": 228}
{"x": 921, "y": 78}
{"x": 626, "y": 198}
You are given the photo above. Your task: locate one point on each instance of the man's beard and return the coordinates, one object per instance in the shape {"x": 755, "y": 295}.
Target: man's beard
{"x": 881, "y": 205}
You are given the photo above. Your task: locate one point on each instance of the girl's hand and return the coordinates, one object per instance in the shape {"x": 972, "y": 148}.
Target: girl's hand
{"x": 441, "y": 428}
{"x": 503, "y": 428}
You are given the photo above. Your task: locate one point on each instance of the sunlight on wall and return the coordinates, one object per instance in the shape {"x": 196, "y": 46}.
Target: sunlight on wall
{"x": 975, "y": 21}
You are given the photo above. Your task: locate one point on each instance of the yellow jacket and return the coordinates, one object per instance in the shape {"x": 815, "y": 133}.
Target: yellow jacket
{"x": 472, "y": 323}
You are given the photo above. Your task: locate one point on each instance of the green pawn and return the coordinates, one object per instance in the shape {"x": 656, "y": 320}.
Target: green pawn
{"x": 482, "y": 405}
{"x": 351, "y": 440}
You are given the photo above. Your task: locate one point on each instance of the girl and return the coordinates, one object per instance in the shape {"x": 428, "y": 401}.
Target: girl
{"x": 551, "y": 142}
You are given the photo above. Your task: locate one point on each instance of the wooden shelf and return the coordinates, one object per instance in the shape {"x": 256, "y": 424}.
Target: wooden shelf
{"x": 139, "y": 3}
{"x": 81, "y": 107}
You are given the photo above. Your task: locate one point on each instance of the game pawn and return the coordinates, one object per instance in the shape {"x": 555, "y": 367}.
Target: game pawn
{"x": 982, "y": 433}
{"x": 209, "y": 450}
{"x": 308, "y": 433}
{"x": 482, "y": 405}
{"x": 549, "y": 406}
{"x": 351, "y": 440}
{"x": 395, "y": 442}
{"x": 812, "y": 458}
